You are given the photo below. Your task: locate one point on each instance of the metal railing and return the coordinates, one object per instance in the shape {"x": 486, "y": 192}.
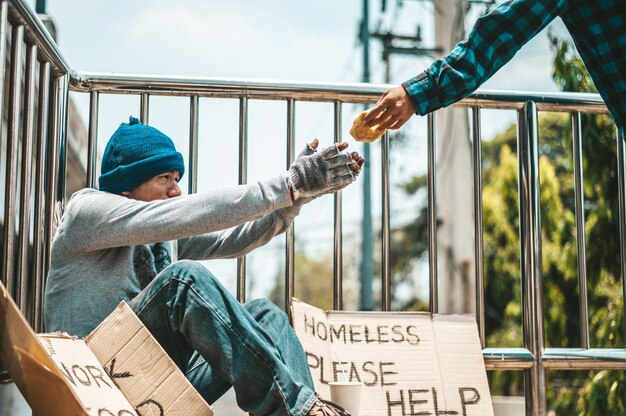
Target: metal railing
{"x": 33, "y": 124}
{"x": 35, "y": 129}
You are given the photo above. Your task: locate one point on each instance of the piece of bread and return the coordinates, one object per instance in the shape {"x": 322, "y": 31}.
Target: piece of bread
{"x": 362, "y": 133}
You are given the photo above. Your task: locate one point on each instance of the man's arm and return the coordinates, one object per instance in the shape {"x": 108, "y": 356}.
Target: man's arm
{"x": 238, "y": 241}
{"x": 492, "y": 42}
{"x": 97, "y": 220}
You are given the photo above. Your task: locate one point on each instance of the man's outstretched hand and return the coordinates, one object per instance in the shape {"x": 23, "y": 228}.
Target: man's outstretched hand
{"x": 357, "y": 161}
{"x": 316, "y": 173}
{"x": 392, "y": 110}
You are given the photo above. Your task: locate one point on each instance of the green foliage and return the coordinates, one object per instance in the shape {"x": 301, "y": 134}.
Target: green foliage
{"x": 581, "y": 393}
{"x": 501, "y": 248}
{"x": 313, "y": 284}
{"x": 604, "y": 394}
{"x": 569, "y": 71}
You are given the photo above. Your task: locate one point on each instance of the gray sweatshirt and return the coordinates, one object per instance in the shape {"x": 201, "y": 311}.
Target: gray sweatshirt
{"x": 98, "y": 246}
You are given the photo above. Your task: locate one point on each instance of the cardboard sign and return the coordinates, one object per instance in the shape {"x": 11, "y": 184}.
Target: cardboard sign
{"x": 35, "y": 373}
{"x": 409, "y": 363}
{"x": 79, "y": 365}
{"x": 120, "y": 371}
{"x": 145, "y": 373}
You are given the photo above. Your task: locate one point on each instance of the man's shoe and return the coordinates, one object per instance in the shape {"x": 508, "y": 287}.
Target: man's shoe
{"x": 326, "y": 408}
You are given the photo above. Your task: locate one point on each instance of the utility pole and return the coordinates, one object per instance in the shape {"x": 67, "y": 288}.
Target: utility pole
{"x": 455, "y": 235}
{"x": 456, "y": 262}
{"x": 390, "y": 46}
{"x": 367, "y": 252}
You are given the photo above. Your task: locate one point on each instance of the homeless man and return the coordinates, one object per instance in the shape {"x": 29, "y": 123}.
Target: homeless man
{"x": 134, "y": 239}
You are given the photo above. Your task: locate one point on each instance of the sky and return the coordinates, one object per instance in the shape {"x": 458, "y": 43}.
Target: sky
{"x": 274, "y": 39}
{"x": 277, "y": 39}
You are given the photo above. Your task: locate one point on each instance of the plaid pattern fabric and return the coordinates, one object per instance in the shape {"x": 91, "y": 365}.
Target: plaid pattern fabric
{"x": 598, "y": 28}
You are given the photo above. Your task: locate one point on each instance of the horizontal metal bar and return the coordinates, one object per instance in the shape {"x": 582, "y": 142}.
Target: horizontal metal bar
{"x": 313, "y": 91}
{"x": 584, "y": 359}
{"x": 225, "y": 87}
{"x": 37, "y": 33}
{"x": 555, "y": 359}
{"x": 508, "y": 359}
{"x": 515, "y": 100}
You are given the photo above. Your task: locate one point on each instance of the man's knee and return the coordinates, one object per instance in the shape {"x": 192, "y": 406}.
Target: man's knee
{"x": 263, "y": 310}
{"x": 189, "y": 266}
{"x": 190, "y": 272}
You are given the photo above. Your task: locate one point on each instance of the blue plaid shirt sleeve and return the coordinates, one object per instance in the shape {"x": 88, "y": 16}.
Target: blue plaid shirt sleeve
{"x": 494, "y": 40}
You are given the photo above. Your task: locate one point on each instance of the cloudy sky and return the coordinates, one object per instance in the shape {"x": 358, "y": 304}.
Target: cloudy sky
{"x": 277, "y": 39}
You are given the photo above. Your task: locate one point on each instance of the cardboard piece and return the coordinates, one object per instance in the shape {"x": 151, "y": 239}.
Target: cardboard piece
{"x": 34, "y": 372}
{"x": 60, "y": 375}
{"x": 96, "y": 390}
{"x": 409, "y": 363}
{"x": 148, "y": 377}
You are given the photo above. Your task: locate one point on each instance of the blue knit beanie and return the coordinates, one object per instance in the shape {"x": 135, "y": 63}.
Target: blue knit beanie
{"x": 136, "y": 153}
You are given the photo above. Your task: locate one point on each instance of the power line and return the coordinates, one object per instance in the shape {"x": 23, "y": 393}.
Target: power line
{"x": 403, "y": 44}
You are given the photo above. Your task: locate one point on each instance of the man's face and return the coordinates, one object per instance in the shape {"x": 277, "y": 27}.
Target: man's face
{"x": 163, "y": 186}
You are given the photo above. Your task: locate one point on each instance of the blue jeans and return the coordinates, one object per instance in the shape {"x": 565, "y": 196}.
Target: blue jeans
{"x": 218, "y": 342}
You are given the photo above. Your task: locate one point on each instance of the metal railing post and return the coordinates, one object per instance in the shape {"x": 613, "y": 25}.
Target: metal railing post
{"x": 92, "y": 138}
{"x": 478, "y": 225}
{"x": 385, "y": 237}
{"x": 579, "y": 200}
{"x": 530, "y": 256}
{"x": 61, "y": 132}
{"x": 243, "y": 180}
{"x": 43, "y": 143}
{"x": 28, "y": 122}
{"x": 4, "y": 29}
{"x": 144, "y": 109}
{"x": 194, "y": 120}
{"x": 432, "y": 214}
{"x": 621, "y": 180}
{"x": 290, "y": 234}
{"x": 337, "y": 222}
{"x": 15, "y": 93}
{"x": 55, "y": 186}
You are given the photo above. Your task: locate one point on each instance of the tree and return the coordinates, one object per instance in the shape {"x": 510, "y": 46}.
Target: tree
{"x": 605, "y": 392}
{"x": 314, "y": 279}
